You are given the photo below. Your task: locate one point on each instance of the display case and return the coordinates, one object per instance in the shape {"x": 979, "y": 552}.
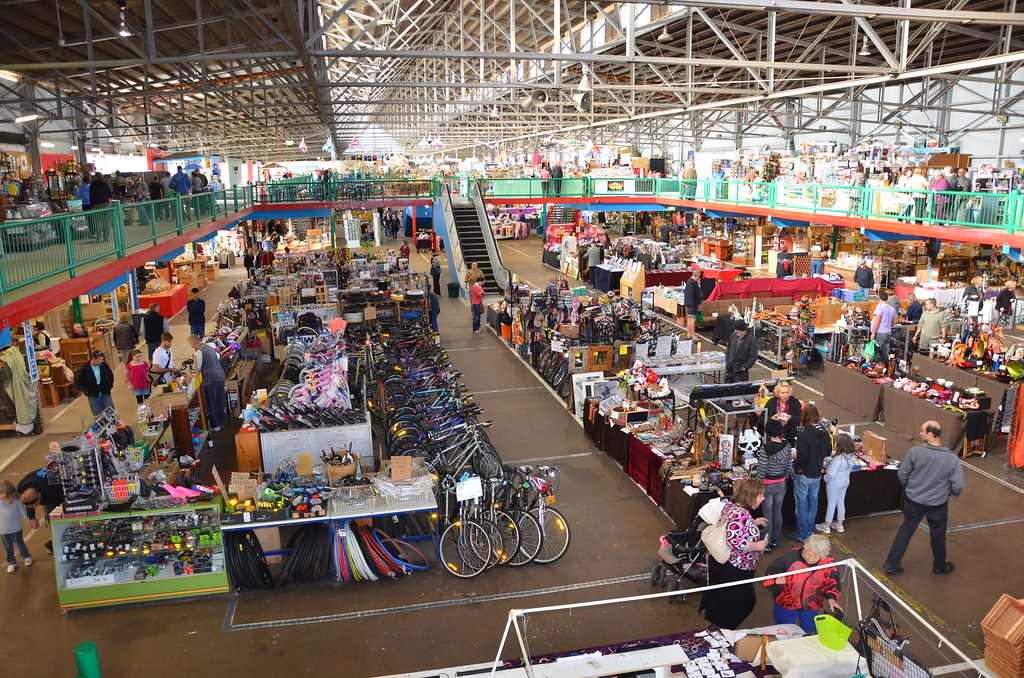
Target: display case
{"x": 138, "y": 556}
{"x": 771, "y": 342}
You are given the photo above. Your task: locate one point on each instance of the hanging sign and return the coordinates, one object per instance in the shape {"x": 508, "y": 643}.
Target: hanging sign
{"x": 30, "y": 353}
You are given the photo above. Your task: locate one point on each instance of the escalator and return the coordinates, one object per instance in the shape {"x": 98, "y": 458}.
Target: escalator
{"x": 471, "y": 238}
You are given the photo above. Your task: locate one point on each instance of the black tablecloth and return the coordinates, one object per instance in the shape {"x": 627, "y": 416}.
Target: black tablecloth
{"x": 870, "y": 492}
{"x": 853, "y": 391}
{"x": 552, "y": 259}
{"x": 724, "y": 325}
{"x": 605, "y": 279}
{"x": 611, "y": 439}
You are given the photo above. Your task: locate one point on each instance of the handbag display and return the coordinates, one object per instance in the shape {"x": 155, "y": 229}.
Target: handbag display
{"x": 713, "y": 538}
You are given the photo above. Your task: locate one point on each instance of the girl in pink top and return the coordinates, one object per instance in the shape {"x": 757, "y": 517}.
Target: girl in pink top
{"x": 138, "y": 375}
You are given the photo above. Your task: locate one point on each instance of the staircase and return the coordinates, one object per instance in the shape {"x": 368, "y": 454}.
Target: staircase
{"x": 471, "y": 238}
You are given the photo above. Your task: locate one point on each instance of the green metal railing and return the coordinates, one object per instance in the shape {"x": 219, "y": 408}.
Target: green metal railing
{"x": 34, "y": 250}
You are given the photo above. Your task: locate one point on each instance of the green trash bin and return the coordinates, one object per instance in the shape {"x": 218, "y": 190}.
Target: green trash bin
{"x": 453, "y": 290}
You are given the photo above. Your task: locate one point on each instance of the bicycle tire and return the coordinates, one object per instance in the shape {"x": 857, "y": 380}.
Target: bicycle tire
{"x": 509, "y": 534}
{"x": 531, "y": 537}
{"x": 497, "y": 553}
{"x": 556, "y": 535}
{"x": 562, "y": 383}
{"x": 487, "y": 464}
{"x": 464, "y": 549}
{"x": 553, "y": 367}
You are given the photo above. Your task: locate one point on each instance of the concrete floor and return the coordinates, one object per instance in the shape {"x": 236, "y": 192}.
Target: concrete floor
{"x": 432, "y": 620}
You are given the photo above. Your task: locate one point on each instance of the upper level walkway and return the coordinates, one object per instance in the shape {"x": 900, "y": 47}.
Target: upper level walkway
{"x": 47, "y": 261}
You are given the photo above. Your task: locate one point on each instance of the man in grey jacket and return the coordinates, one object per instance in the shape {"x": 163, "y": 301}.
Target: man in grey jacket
{"x": 931, "y": 474}
{"x": 742, "y": 354}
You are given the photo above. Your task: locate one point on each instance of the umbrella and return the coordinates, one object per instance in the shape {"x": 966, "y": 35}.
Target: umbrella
{"x": 193, "y": 166}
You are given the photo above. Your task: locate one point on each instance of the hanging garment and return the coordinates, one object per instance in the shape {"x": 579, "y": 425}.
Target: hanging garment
{"x": 1015, "y": 448}
{"x": 21, "y": 389}
{"x": 517, "y": 327}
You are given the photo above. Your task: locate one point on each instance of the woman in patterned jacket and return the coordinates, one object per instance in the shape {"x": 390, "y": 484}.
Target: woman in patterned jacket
{"x": 728, "y": 607}
{"x": 799, "y": 598}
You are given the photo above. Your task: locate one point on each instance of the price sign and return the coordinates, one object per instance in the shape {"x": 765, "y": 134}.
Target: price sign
{"x": 470, "y": 488}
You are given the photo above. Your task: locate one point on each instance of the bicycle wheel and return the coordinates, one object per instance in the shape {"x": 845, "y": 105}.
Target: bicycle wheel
{"x": 509, "y": 532}
{"x": 486, "y": 463}
{"x": 556, "y": 535}
{"x": 465, "y": 548}
{"x": 562, "y": 384}
{"x": 531, "y": 537}
{"x": 497, "y": 554}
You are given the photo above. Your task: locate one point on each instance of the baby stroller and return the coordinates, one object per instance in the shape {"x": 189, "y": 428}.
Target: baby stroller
{"x": 682, "y": 555}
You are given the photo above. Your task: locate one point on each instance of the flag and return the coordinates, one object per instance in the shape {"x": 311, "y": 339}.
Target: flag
{"x": 328, "y": 146}
{"x": 302, "y": 145}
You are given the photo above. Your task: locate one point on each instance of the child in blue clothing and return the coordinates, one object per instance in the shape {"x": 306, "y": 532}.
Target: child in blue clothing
{"x": 11, "y": 513}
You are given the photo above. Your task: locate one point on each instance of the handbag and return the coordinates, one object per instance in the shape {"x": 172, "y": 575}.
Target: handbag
{"x": 713, "y": 538}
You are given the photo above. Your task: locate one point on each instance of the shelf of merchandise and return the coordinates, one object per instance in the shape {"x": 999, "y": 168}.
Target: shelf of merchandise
{"x": 121, "y": 587}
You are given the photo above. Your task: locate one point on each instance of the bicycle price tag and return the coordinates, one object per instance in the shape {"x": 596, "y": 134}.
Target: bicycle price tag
{"x": 557, "y": 346}
{"x": 471, "y": 488}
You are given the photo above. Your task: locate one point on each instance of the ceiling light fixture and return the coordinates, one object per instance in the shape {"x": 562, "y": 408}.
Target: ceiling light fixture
{"x": 74, "y": 148}
{"x": 122, "y": 29}
{"x": 26, "y": 118}
{"x": 665, "y": 36}
{"x": 60, "y": 33}
{"x": 95, "y": 149}
{"x": 864, "y": 51}
{"x": 494, "y": 112}
{"x": 46, "y": 144}
{"x": 585, "y": 85}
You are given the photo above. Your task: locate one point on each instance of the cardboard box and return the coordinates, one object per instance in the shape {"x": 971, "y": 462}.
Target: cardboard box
{"x": 748, "y": 648}
{"x": 247, "y": 451}
{"x": 170, "y": 469}
{"x": 874, "y": 445}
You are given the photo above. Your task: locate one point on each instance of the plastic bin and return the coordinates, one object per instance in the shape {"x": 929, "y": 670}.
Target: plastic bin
{"x": 453, "y": 290}
{"x": 832, "y": 633}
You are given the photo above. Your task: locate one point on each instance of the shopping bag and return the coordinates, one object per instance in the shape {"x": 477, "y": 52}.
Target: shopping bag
{"x": 869, "y": 351}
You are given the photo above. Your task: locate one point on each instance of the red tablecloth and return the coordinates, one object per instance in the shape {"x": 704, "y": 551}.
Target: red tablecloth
{"x": 666, "y": 278}
{"x": 644, "y": 466}
{"x": 719, "y": 274}
{"x": 171, "y": 301}
{"x": 772, "y": 287}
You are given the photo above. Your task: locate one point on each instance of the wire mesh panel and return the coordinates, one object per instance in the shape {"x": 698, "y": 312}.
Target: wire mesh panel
{"x": 887, "y": 658}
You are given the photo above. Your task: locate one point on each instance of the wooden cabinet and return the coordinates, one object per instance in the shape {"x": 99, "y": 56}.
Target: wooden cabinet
{"x": 247, "y": 451}
{"x": 718, "y": 247}
{"x": 954, "y": 269}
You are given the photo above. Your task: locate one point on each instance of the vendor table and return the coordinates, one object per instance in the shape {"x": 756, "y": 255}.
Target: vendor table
{"x": 611, "y": 438}
{"x": 870, "y": 492}
{"x": 852, "y": 391}
{"x": 644, "y": 466}
{"x": 806, "y": 657}
{"x": 904, "y": 414}
{"x": 724, "y": 326}
{"x": 719, "y": 274}
{"x": 929, "y": 367}
{"x": 771, "y": 287}
{"x": 667, "y": 278}
{"x": 604, "y": 278}
{"x": 171, "y": 301}
{"x": 552, "y": 259}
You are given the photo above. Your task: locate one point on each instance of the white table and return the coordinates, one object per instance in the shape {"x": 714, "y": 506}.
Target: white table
{"x": 807, "y": 658}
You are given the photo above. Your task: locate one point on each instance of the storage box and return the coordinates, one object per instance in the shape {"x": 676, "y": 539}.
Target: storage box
{"x": 1003, "y": 627}
{"x": 158, "y": 473}
{"x": 874, "y": 445}
{"x": 571, "y": 331}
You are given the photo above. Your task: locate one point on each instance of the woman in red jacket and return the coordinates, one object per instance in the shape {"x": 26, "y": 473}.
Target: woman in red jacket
{"x": 800, "y": 597}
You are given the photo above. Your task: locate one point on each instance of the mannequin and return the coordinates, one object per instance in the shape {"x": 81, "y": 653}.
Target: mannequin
{"x": 20, "y": 388}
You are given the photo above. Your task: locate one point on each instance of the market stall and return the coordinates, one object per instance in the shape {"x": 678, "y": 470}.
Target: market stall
{"x": 771, "y": 287}
{"x": 904, "y": 414}
{"x": 853, "y": 391}
{"x": 171, "y": 299}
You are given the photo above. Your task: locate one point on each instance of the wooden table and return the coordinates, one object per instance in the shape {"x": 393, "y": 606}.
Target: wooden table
{"x": 853, "y": 391}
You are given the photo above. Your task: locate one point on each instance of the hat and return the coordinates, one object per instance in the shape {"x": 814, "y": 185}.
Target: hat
{"x": 740, "y": 326}
{"x": 98, "y": 354}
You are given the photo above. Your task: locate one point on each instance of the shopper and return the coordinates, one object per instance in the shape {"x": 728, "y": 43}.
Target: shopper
{"x": 476, "y": 301}
{"x": 837, "y": 480}
{"x": 100, "y": 195}
{"x": 161, "y": 368}
{"x": 728, "y": 607}
{"x": 785, "y": 409}
{"x": 881, "y": 327}
{"x": 125, "y": 337}
{"x": 918, "y": 184}
{"x": 545, "y": 179}
{"x": 784, "y": 264}
{"x": 1004, "y": 303}
{"x": 79, "y": 332}
{"x": 689, "y": 182}
{"x": 556, "y": 178}
{"x": 930, "y": 474}
{"x": 905, "y": 197}
{"x": 973, "y": 297}
{"x": 11, "y": 513}
{"x": 435, "y": 310}
{"x": 435, "y": 270}
{"x": 403, "y": 251}
{"x": 803, "y": 595}
{"x": 693, "y": 297}
{"x": 914, "y": 309}
{"x": 207, "y": 363}
{"x": 36, "y": 490}
{"x": 594, "y": 258}
{"x": 196, "y": 314}
{"x": 741, "y": 354}
{"x": 249, "y": 262}
{"x": 267, "y": 256}
{"x": 40, "y": 338}
{"x": 817, "y": 262}
{"x": 180, "y": 183}
{"x": 774, "y": 467}
{"x": 864, "y": 279}
{"x": 931, "y": 328}
{"x": 153, "y": 325}
{"x": 137, "y": 375}
{"x": 95, "y": 379}
{"x": 857, "y": 181}
{"x": 939, "y": 186}
{"x": 813, "y": 444}
{"x": 82, "y": 193}
{"x": 473, "y": 273}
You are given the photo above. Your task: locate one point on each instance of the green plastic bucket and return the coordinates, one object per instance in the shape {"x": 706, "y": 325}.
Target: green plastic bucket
{"x": 832, "y": 633}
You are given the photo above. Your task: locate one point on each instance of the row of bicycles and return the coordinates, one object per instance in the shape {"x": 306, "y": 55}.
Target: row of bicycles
{"x": 489, "y": 514}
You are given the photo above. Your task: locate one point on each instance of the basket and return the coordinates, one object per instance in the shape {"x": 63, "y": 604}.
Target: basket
{"x": 1003, "y": 627}
{"x": 832, "y": 633}
{"x": 122, "y": 488}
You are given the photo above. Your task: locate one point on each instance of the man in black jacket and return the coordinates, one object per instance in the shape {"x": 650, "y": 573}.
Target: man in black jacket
{"x": 36, "y": 490}
{"x": 742, "y": 354}
{"x": 784, "y": 264}
{"x": 153, "y": 326}
{"x": 692, "y": 299}
{"x": 99, "y": 197}
{"x": 125, "y": 338}
{"x": 556, "y": 178}
{"x": 864, "y": 278}
{"x": 95, "y": 379}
